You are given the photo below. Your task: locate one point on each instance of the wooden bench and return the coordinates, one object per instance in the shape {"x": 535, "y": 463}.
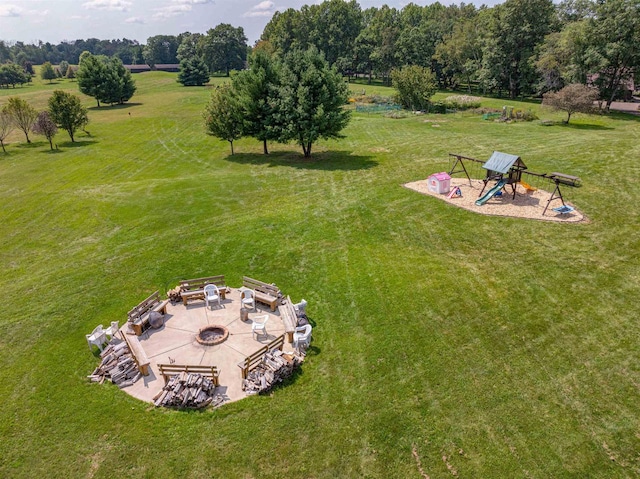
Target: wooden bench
{"x": 139, "y": 356}
{"x": 168, "y": 370}
{"x": 194, "y": 288}
{"x": 265, "y": 293}
{"x": 139, "y": 316}
{"x": 289, "y": 318}
{"x": 252, "y": 361}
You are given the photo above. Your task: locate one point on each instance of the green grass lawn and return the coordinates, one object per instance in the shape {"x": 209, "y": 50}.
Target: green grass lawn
{"x": 483, "y": 346}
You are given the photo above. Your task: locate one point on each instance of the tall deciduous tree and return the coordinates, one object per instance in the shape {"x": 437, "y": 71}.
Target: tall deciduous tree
{"x": 514, "y": 29}
{"x": 415, "y": 86}
{"x": 105, "y": 79}
{"x": 45, "y": 126}
{"x": 90, "y": 75}
{"x": 613, "y": 53}
{"x": 6, "y": 127}
{"x": 310, "y": 102}
{"x": 67, "y": 112}
{"x": 222, "y": 115}
{"x": 23, "y": 115}
{"x": 225, "y": 48}
{"x": 574, "y": 98}
{"x": 161, "y": 49}
{"x": 257, "y": 89}
{"x": 47, "y": 72}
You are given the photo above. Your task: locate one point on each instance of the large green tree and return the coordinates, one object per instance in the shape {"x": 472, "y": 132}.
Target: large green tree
{"x": 105, "y": 79}
{"x": 161, "y": 49}
{"x": 415, "y": 85}
{"x": 257, "y": 90}
{"x": 12, "y": 74}
{"x": 222, "y": 115}
{"x": 66, "y": 110}
{"x": 22, "y": 114}
{"x": 193, "y": 72}
{"x": 311, "y": 99}
{"x": 514, "y": 30}
{"x": 225, "y": 48}
{"x": 613, "y": 52}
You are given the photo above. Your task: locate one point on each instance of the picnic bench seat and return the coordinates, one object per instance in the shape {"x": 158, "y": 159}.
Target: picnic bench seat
{"x": 139, "y": 316}
{"x": 168, "y": 370}
{"x": 265, "y": 293}
{"x": 139, "y": 356}
{"x": 250, "y": 362}
{"x": 289, "y": 318}
{"x": 194, "y": 288}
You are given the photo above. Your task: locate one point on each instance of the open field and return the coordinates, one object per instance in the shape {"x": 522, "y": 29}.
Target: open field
{"x": 482, "y": 346}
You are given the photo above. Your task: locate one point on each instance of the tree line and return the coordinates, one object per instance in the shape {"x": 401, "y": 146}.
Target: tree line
{"x": 519, "y": 47}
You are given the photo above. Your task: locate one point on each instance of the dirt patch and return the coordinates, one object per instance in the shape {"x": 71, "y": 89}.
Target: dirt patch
{"x": 525, "y": 205}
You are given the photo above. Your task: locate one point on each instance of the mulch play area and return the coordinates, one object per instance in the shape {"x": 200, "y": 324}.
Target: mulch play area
{"x": 527, "y": 204}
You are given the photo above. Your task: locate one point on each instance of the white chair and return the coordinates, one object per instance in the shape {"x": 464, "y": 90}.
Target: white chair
{"x": 98, "y": 337}
{"x": 113, "y": 329}
{"x": 248, "y": 298}
{"x": 259, "y": 324}
{"x": 302, "y": 336}
{"x": 211, "y": 294}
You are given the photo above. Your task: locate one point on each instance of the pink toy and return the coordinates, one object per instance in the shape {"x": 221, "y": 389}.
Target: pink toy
{"x": 439, "y": 183}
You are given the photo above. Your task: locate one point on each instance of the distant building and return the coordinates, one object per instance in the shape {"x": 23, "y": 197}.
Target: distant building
{"x": 167, "y": 67}
{"x": 138, "y": 68}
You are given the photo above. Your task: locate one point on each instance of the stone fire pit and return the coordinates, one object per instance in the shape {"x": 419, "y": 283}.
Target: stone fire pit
{"x": 212, "y": 335}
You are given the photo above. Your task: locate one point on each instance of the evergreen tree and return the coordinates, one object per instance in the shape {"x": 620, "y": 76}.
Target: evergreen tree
{"x": 193, "y": 72}
{"x": 67, "y": 112}
{"x": 63, "y": 67}
{"x": 105, "y": 79}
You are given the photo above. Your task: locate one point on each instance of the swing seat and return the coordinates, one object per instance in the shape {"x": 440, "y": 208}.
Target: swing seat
{"x": 564, "y": 209}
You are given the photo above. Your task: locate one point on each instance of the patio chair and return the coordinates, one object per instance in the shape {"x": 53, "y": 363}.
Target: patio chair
{"x": 211, "y": 294}
{"x": 302, "y": 336}
{"x": 248, "y": 298}
{"x": 259, "y": 324}
{"x": 113, "y": 329}
{"x": 98, "y": 337}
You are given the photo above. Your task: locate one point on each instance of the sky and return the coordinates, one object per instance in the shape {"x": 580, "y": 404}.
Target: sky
{"x": 58, "y": 20}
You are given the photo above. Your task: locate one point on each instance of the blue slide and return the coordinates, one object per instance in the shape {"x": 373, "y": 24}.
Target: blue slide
{"x": 489, "y": 194}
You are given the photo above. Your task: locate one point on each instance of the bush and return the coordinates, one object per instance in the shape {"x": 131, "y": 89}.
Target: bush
{"x": 461, "y": 102}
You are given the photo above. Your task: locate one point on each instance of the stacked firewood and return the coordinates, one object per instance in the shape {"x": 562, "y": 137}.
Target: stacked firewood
{"x": 174, "y": 295}
{"x": 274, "y": 368}
{"x": 188, "y": 390}
{"x": 117, "y": 365}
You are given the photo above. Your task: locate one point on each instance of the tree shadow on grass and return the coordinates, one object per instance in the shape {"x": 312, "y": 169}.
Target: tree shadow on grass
{"x": 76, "y": 144}
{"x": 326, "y": 160}
{"x": 33, "y": 144}
{"x": 583, "y": 126}
{"x": 113, "y": 107}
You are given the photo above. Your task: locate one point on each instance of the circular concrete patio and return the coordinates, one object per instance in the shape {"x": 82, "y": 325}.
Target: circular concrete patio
{"x": 176, "y": 343}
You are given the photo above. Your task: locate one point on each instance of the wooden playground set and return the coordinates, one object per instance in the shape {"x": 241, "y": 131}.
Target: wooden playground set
{"x": 507, "y": 188}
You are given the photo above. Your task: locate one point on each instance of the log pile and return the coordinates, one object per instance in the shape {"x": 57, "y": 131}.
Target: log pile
{"x": 117, "y": 365}
{"x": 274, "y": 368}
{"x": 174, "y": 295}
{"x": 188, "y": 390}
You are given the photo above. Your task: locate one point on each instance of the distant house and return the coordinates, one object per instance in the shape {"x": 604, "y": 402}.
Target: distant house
{"x": 167, "y": 67}
{"x": 138, "y": 68}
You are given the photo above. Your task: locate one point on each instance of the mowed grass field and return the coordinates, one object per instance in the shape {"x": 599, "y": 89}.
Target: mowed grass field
{"x": 446, "y": 343}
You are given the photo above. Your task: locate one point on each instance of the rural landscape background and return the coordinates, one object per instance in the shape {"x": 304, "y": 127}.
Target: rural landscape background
{"x": 446, "y": 343}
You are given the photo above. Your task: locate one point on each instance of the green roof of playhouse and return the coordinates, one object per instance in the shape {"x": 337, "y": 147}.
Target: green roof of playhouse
{"x": 502, "y": 162}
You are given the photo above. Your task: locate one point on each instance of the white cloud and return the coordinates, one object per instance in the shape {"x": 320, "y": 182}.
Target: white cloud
{"x": 135, "y": 20}
{"x": 113, "y": 5}
{"x": 263, "y": 9}
{"x": 10, "y": 11}
{"x": 171, "y": 11}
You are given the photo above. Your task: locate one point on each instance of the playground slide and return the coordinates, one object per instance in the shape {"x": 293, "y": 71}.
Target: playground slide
{"x": 489, "y": 194}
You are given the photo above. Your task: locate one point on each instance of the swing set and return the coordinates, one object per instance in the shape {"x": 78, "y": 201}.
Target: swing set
{"x": 506, "y": 169}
